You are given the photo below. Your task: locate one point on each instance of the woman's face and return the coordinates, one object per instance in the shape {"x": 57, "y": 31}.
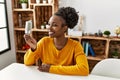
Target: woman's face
{"x": 55, "y": 26}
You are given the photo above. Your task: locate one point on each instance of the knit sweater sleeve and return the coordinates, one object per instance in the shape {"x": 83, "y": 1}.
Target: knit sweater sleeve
{"x": 80, "y": 67}
{"x": 31, "y": 57}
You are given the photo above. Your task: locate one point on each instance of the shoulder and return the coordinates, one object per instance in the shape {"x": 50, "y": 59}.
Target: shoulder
{"x": 75, "y": 45}
{"x": 73, "y": 42}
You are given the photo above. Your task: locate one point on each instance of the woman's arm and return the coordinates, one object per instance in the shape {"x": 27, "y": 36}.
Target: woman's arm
{"x": 81, "y": 67}
{"x": 31, "y": 56}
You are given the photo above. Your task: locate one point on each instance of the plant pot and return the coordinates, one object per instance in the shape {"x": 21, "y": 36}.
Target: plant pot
{"x": 24, "y": 5}
{"x": 37, "y": 1}
{"x": 42, "y": 27}
{"x": 50, "y": 1}
{"x": 107, "y": 36}
{"x": 44, "y": 1}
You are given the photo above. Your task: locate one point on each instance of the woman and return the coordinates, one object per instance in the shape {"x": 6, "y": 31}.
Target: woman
{"x": 58, "y": 54}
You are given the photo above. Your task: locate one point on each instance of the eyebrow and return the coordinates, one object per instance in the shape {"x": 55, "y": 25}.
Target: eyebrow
{"x": 52, "y": 22}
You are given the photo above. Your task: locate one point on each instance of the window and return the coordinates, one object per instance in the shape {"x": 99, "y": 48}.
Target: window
{"x": 4, "y": 31}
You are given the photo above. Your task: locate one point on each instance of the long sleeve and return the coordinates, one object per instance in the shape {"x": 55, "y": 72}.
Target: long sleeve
{"x": 30, "y": 57}
{"x": 80, "y": 68}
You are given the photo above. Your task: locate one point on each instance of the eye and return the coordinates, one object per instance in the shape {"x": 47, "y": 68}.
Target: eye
{"x": 54, "y": 25}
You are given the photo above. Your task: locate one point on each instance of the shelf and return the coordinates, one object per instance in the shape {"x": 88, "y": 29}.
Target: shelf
{"x": 115, "y": 39}
{"x": 41, "y": 4}
{"x": 23, "y": 9}
{"x": 93, "y": 37}
{"x": 37, "y": 30}
{"x": 78, "y": 37}
{"x": 90, "y": 37}
{"x": 98, "y": 58}
{"x": 19, "y": 29}
{"x": 21, "y": 51}
{"x": 40, "y": 30}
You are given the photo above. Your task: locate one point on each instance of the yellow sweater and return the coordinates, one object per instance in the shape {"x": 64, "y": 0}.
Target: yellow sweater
{"x": 71, "y": 60}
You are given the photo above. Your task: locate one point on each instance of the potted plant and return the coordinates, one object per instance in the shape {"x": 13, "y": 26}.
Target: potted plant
{"x": 106, "y": 33}
{"x": 24, "y": 3}
{"x": 50, "y": 1}
{"x": 37, "y": 1}
{"x": 115, "y": 54}
{"x": 117, "y": 30}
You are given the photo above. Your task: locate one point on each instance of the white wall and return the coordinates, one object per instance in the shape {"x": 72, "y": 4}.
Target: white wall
{"x": 98, "y": 14}
{"x": 9, "y": 57}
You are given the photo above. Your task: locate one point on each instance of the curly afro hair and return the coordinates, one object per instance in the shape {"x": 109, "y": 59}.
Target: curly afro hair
{"x": 70, "y": 16}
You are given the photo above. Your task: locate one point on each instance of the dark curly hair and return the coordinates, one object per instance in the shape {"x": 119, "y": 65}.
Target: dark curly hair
{"x": 70, "y": 16}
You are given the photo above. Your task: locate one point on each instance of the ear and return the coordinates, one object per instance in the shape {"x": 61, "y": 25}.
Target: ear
{"x": 65, "y": 28}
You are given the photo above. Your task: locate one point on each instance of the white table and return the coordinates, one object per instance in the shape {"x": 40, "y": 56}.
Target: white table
{"x": 17, "y": 71}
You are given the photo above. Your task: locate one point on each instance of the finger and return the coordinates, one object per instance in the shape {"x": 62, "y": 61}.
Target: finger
{"x": 40, "y": 68}
{"x": 27, "y": 37}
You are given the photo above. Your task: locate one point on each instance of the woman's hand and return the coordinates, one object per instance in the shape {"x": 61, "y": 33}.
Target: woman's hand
{"x": 30, "y": 41}
{"x": 44, "y": 67}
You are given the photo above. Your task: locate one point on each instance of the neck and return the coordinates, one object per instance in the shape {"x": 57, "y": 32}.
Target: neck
{"x": 60, "y": 42}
